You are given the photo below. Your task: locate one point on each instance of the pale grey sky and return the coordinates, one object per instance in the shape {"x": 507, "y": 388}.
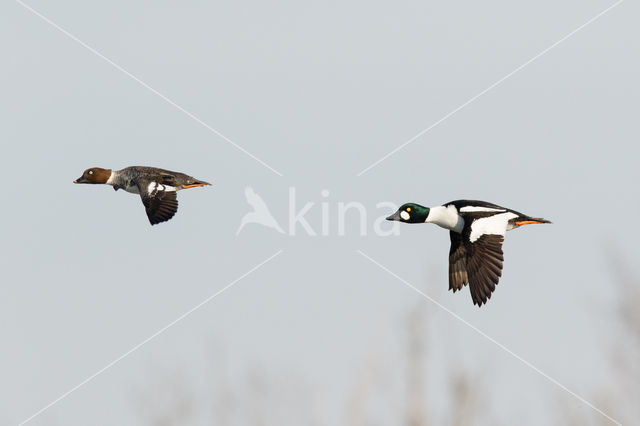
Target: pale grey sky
{"x": 319, "y": 91}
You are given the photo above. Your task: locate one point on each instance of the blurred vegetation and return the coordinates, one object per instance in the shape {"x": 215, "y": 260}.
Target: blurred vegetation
{"x": 264, "y": 400}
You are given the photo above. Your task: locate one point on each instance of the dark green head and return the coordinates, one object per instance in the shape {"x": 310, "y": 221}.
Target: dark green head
{"x": 410, "y": 213}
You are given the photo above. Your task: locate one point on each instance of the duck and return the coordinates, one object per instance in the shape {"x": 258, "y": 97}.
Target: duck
{"x": 157, "y": 187}
{"x": 476, "y": 229}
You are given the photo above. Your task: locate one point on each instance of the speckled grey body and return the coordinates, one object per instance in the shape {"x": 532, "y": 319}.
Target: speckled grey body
{"x": 130, "y": 177}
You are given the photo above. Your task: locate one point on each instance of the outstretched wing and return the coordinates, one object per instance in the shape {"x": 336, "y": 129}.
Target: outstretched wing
{"x": 159, "y": 200}
{"x": 457, "y": 263}
{"x": 484, "y": 265}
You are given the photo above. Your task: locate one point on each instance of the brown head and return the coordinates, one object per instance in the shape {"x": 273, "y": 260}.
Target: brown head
{"x": 94, "y": 175}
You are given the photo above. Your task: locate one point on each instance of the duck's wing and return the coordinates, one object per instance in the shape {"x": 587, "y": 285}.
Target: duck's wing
{"x": 484, "y": 265}
{"x": 159, "y": 200}
{"x": 457, "y": 263}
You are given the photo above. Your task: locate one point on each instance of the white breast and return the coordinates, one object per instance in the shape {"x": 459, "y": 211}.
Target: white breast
{"x": 495, "y": 225}
{"x": 115, "y": 179}
{"x": 446, "y": 217}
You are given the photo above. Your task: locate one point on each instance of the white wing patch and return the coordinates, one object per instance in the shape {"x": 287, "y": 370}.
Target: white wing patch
{"x": 480, "y": 209}
{"x": 155, "y": 186}
{"x": 494, "y": 225}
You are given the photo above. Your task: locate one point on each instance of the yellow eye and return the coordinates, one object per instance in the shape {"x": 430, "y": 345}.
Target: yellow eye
{"x": 408, "y": 209}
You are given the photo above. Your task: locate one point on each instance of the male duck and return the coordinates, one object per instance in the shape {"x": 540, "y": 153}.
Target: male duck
{"x": 157, "y": 187}
{"x": 477, "y": 231}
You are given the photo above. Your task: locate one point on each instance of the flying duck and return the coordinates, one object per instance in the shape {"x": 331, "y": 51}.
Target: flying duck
{"x": 476, "y": 229}
{"x": 157, "y": 187}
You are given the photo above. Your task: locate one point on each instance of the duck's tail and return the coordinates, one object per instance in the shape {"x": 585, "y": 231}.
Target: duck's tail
{"x": 195, "y": 183}
{"x": 526, "y": 220}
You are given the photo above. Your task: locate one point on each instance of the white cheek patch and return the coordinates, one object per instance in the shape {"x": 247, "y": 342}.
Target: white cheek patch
{"x": 404, "y": 215}
{"x": 494, "y": 225}
{"x": 480, "y": 209}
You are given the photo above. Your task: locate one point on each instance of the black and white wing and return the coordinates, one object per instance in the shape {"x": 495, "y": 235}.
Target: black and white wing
{"x": 457, "y": 262}
{"x": 476, "y": 254}
{"x": 484, "y": 266}
{"x": 159, "y": 200}
{"x": 478, "y": 264}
